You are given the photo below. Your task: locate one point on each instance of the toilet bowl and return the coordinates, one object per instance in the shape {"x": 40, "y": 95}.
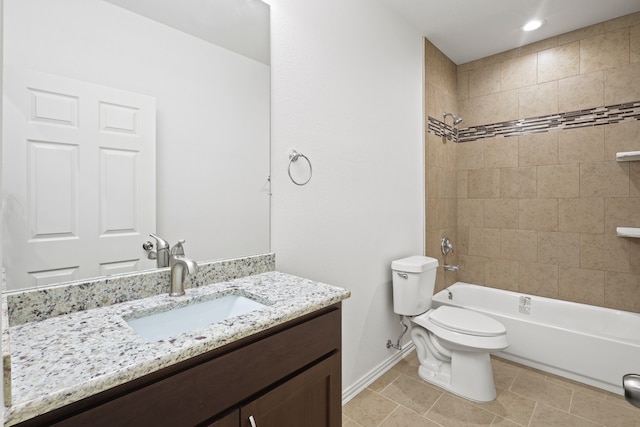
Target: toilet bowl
{"x": 453, "y": 344}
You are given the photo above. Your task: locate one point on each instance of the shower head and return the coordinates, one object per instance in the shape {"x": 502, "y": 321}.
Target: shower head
{"x": 456, "y": 119}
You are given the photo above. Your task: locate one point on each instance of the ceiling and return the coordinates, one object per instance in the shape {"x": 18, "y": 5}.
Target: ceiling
{"x": 466, "y": 30}
{"x": 240, "y": 26}
{"x": 463, "y": 29}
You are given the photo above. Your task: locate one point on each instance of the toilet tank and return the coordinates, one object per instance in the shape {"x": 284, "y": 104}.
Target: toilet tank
{"x": 414, "y": 279}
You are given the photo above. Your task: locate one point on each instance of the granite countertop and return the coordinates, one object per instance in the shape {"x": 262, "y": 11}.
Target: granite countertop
{"x": 63, "y": 359}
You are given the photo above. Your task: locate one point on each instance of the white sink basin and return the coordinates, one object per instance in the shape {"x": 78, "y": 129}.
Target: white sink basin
{"x": 158, "y": 326}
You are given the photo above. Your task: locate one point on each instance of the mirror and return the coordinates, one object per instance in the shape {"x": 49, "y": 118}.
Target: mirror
{"x": 206, "y": 65}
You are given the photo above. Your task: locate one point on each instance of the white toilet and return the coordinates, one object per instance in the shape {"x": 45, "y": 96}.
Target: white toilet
{"x": 453, "y": 344}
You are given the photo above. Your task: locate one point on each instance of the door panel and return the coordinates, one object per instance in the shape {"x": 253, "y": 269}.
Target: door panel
{"x": 118, "y": 191}
{"x": 52, "y": 189}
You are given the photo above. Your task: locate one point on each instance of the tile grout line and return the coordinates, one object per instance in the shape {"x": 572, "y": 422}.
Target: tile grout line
{"x": 389, "y": 414}
{"x": 432, "y": 406}
{"x": 535, "y": 407}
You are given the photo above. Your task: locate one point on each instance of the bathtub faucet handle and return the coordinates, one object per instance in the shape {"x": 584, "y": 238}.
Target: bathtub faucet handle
{"x": 446, "y": 246}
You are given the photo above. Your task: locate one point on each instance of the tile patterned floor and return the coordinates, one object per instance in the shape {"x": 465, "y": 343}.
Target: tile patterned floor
{"x": 526, "y": 397}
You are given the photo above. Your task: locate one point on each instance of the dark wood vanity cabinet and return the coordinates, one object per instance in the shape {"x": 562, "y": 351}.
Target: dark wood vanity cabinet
{"x": 287, "y": 376}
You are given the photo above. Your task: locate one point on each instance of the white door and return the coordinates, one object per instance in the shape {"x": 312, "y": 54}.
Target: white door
{"x": 79, "y": 179}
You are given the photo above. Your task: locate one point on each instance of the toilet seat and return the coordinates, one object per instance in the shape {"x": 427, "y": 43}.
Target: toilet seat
{"x": 464, "y": 329}
{"x": 466, "y": 322}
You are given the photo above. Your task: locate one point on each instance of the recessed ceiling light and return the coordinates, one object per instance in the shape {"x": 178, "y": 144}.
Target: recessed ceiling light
{"x": 534, "y": 24}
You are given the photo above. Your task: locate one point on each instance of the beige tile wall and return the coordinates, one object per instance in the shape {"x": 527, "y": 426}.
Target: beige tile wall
{"x": 538, "y": 213}
{"x": 441, "y": 199}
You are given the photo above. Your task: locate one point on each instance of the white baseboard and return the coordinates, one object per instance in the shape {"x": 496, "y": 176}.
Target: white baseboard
{"x": 353, "y": 390}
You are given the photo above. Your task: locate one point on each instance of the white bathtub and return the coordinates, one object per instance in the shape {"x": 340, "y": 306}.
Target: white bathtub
{"x": 590, "y": 344}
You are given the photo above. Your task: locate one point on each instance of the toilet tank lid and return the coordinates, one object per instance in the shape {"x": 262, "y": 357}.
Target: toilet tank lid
{"x": 414, "y": 264}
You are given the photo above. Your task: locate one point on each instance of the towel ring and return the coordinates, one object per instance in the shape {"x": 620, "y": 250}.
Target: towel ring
{"x": 293, "y": 157}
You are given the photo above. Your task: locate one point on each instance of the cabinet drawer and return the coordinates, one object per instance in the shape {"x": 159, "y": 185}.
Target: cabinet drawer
{"x": 198, "y": 393}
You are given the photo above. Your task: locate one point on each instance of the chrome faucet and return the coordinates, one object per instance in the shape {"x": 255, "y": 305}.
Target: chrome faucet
{"x": 180, "y": 267}
{"x": 161, "y": 254}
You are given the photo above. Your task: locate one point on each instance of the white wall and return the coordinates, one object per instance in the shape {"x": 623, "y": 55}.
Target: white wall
{"x": 213, "y": 120}
{"x": 347, "y": 85}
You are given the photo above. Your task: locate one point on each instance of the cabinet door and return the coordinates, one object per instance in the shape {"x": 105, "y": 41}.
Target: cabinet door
{"x": 230, "y": 420}
{"x": 310, "y": 399}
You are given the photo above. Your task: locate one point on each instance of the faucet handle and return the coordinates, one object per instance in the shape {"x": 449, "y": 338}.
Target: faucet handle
{"x": 446, "y": 246}
{"x": 178, "y": 249}
{"x": 161, "y": 243}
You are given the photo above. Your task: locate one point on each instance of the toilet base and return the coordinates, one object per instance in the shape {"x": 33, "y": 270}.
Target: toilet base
{"x": 468, "y": 375}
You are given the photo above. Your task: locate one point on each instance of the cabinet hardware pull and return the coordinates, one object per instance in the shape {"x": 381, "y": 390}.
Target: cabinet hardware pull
{"x": 252, "y": 421}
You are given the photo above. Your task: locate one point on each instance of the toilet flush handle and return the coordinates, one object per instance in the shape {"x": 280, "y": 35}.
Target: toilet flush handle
{"x": 403, "y": 275}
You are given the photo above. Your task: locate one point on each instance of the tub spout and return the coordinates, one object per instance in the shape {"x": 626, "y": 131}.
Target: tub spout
{"x": 453, "y": 268}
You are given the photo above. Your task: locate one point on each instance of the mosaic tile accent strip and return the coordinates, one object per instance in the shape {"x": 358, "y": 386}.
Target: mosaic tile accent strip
{"x": 596, "y": 116}
{"x": 39, "y": 304}
{"x": 439, "y": 128}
